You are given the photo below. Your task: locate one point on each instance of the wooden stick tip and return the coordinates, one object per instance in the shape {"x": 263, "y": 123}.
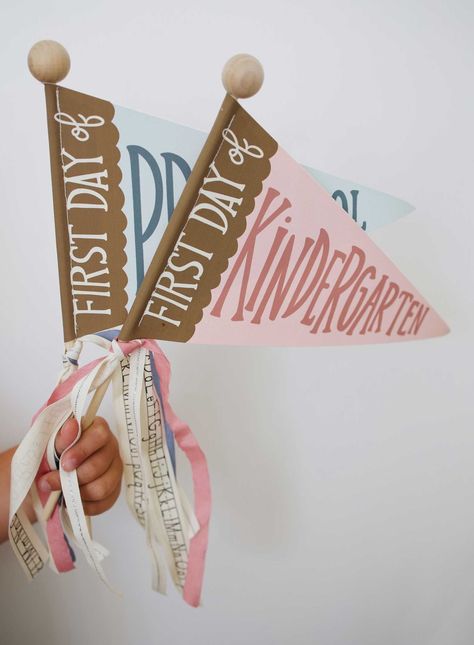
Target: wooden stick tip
{"x": 242, "y": 76}
{"x": 48, "y": 61}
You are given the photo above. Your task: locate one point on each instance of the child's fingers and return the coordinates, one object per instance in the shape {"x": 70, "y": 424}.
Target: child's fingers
{"x": 91, "y": 469}
{"x": 96, "y": 508}
{"x": 98, "y": 463}
{"x": 102, "y": 487}
{"x": 66, "y": 435}
{"x": 97, "y": 476}
{"x": 92, "y": 439}
{"x": 49, "y": 482}
{"x": 64, "y": 438}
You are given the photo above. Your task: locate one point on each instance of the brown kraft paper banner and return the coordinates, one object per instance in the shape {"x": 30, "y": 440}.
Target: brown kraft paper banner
{"x": 204, "y": 230}
{"x": 88, "y": 213}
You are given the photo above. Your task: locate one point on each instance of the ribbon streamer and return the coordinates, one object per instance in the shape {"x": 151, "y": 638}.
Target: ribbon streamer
{"x": 147, "y": 428}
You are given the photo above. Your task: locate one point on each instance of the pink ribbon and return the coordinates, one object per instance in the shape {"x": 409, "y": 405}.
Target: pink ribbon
{"x": 201, "y": 483}
{"x": 58, "y": 545}
{"x": 188, "y": 444}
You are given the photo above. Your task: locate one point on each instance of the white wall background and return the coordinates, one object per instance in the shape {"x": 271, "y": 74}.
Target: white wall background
{"x": 343, "y": 478}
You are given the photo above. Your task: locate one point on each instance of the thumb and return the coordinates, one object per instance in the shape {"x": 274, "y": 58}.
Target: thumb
{"x": 66, "y": 435}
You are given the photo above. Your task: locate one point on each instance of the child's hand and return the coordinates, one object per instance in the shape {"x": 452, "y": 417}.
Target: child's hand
{"x": 99, "y": 467}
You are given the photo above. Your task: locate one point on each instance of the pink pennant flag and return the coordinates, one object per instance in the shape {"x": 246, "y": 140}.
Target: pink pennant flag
{"x": 259, "y": 254}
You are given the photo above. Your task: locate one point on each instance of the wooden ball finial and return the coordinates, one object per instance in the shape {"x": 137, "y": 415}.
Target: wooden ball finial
{"x": 48, "y": 61}
{"x": 242, "y": 76}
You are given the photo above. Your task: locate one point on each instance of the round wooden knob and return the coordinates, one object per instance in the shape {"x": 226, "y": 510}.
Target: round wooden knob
{"x": 242, "y": 76}
{"x": 48, "y": 61}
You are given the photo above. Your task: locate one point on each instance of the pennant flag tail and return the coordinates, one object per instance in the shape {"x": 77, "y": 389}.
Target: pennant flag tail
{"x": 258, "y": 253}
{"x": 370, "y": 208}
